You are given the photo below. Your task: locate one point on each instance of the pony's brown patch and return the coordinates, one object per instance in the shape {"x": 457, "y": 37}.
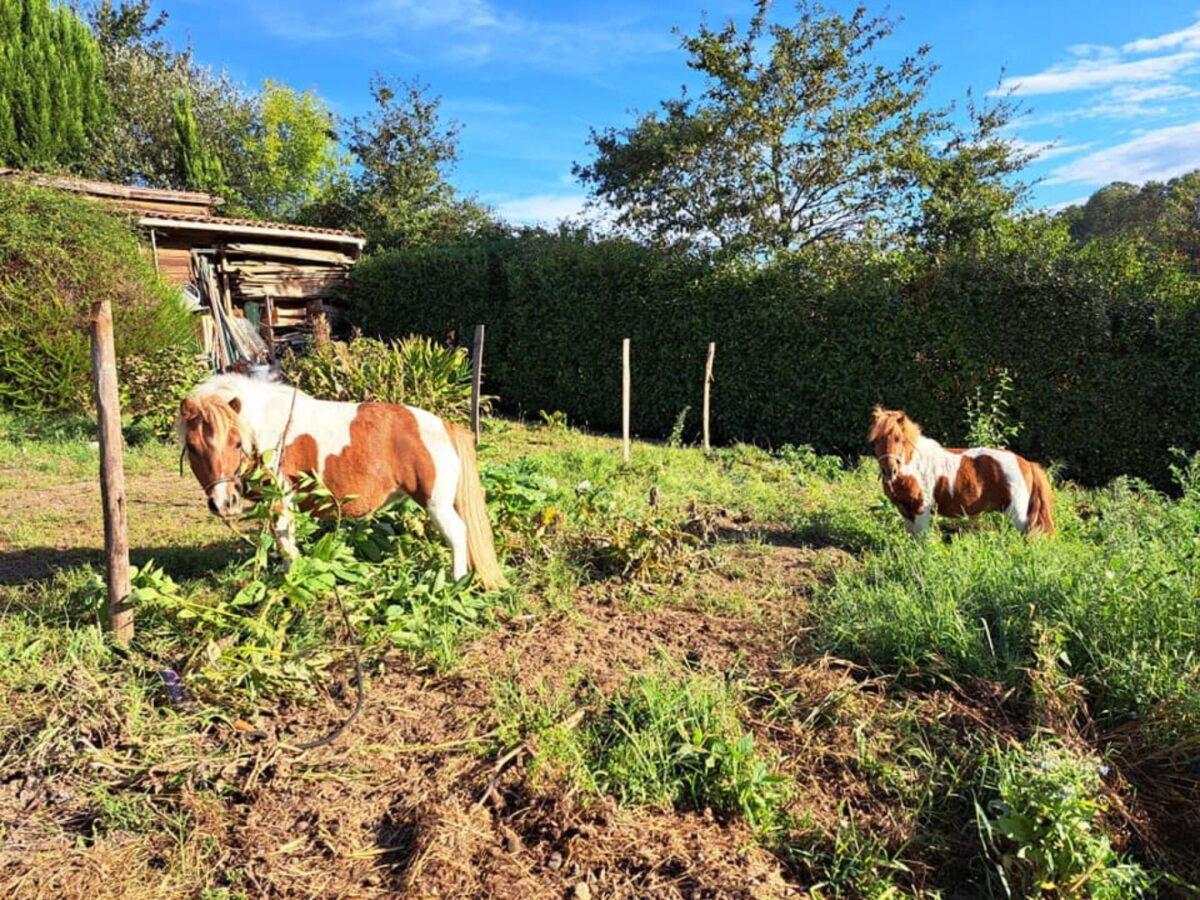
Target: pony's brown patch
{"x": 979, "y": 486}
{"x": 385, "y": 457}
{"x": 904, "y": 491}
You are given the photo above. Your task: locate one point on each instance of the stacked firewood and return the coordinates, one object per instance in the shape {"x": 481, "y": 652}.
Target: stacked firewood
{"x": 302, "y": 281}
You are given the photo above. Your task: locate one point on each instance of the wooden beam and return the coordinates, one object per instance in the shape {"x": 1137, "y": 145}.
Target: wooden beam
{"x": 112, "y": 473}
{"x": 108, "y": 189}
{"x": 476, "y": 379}
{"x": 625, "y": 399}
{"x": 708, "y": 377}
{"x": 279, "y": 252}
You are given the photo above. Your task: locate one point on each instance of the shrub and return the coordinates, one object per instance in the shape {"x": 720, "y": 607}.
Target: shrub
{"x": 668, "y": 738}
{"x": 58, "y": 253}
{"x": 1120, "y": 586}
{"x": 1042, "y": 827}
{"x": 414, "y": 371}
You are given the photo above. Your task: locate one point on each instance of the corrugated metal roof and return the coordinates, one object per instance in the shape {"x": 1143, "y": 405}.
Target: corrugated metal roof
{"x": 251, "y": 226}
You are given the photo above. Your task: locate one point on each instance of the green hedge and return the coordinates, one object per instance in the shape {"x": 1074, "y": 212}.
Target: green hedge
{"x": 1103, "y": 343}
{"x": 58, "y": 253}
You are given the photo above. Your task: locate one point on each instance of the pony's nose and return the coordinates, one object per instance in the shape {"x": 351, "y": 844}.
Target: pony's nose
{"x": 212, "y": 507}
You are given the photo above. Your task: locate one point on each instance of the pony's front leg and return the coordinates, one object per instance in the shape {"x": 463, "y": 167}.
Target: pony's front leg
{"x": 283, "y": 528}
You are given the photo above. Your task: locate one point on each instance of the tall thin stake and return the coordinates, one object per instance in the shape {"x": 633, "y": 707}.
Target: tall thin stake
{"x": 708, "y": 367}
{"x": 476, "y": 379}
{"x": 112, "y": 472}
{"x": 625, "y": 399}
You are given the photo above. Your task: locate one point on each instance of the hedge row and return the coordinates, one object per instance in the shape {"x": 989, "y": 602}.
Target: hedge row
{"x": 1103, "y": 343}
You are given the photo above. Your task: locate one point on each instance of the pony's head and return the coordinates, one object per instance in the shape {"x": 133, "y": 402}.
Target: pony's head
{"x": 217, "y": 445}
{"x": 894, "y": 437}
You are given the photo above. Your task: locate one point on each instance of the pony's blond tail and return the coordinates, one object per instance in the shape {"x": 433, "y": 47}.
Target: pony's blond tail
{"x": 1040, "y": 519}
{"x": 469, "y": 502}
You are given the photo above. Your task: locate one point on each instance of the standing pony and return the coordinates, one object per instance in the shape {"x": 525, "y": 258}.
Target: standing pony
{"x": 369, "y": 453}
{"x": 919, "y": 475}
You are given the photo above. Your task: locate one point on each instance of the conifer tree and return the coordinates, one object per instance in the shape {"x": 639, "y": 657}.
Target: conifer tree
{"x": 53, "y": 99}
{"x": 199, "y": 168}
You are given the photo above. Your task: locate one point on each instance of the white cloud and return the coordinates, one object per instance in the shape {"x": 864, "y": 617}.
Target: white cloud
{"x": 1089, "y": 74}
{"x": 1046, "y": 149}
{"x": 540, "y": 209}
{"x": 1188, "y": 38}
{"x": 467, "y": 32}
{"x": 1130, "y": 94}
{"x": 1154, "y": 156}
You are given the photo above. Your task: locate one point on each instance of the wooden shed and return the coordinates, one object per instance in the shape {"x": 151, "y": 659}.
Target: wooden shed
{"x": 277, "y": 275}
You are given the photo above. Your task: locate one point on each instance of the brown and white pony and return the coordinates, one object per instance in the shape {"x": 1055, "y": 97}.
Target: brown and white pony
{"x": 368, "y": 453}
{"x": 921, "y": 476}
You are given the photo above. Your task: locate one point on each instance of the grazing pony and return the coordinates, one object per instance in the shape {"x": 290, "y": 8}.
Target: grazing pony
{"x": 367, "y": 453}
{"x": 920, "y": 475}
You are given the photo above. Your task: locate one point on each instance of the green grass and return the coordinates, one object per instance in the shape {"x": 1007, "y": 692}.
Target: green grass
{"x": 1117, "y": 591}
{"x": 863, "y": 785}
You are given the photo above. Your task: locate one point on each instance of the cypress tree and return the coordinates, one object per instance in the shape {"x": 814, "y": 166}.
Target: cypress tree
{"x": 198, "y": 167}
{"x": 53, "y": 100}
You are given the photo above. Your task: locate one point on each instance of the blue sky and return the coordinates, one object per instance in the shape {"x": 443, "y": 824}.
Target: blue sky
{"x": 1113, "y": 87}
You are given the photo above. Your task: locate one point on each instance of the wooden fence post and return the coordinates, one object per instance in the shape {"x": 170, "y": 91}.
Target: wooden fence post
{"x": 625, "y": 399}
{"x": 476, "y": 379}
{"x": 708, "y": 377}
{"x": 112, "y": 473}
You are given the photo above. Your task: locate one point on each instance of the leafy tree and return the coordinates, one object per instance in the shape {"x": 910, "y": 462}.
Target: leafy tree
{"x": 145, "y": 76}
{"x": 1164, "y": 214}
{"x": 197, "y": 167}
{"x": 968, "y": 186}
{"x": 797, "y": 137}
{"x": 52, "y": 98}
{"x": 126, "y": 24}
{"x": 404, "y": 151}
{"x": 290, "y": 152}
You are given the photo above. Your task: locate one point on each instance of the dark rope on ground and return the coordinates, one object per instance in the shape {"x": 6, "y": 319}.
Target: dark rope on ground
{"x": 358, "y": 682}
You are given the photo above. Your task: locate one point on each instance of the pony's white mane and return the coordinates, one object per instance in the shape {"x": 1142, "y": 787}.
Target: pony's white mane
{"x": 266, "y": 406}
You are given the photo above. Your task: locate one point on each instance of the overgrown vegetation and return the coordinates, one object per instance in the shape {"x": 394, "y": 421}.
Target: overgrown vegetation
{"x": 626, "y": 682}
{"x": 58, "y": 254}
{"x": 415, "y": 371}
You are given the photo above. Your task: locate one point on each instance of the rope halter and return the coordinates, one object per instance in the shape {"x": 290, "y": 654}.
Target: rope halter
{"x": 900, "y": 463}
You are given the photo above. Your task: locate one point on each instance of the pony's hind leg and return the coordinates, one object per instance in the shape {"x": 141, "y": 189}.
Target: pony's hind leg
{"x": 453, "y": 529}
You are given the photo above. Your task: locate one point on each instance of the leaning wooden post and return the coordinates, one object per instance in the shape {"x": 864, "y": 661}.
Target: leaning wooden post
{"x": 625, "y": 399}
{"x": 112, "y": 472}
{"x": 476, "y": 379}
{"x": 708, "y": 367}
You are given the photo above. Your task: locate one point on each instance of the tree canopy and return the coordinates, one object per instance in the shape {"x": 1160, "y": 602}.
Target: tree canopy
{"x": 400, "y": 194}
{"x": 1166, "y": 214}
{"x": 799, "y": 136}
{"x": 290, "y": 151}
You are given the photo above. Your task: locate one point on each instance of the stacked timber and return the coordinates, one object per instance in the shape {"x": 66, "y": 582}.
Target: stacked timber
{"x": 301, "y": 281}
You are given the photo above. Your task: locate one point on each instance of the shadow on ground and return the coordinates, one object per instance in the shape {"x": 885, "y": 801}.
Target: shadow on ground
{"x": 37, "y": 563}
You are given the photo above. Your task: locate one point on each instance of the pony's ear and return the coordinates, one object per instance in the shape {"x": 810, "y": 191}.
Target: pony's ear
{"x": 235, "y": 403}
{"x": 877, "y": 412}
{"x": 189, "y": 410}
